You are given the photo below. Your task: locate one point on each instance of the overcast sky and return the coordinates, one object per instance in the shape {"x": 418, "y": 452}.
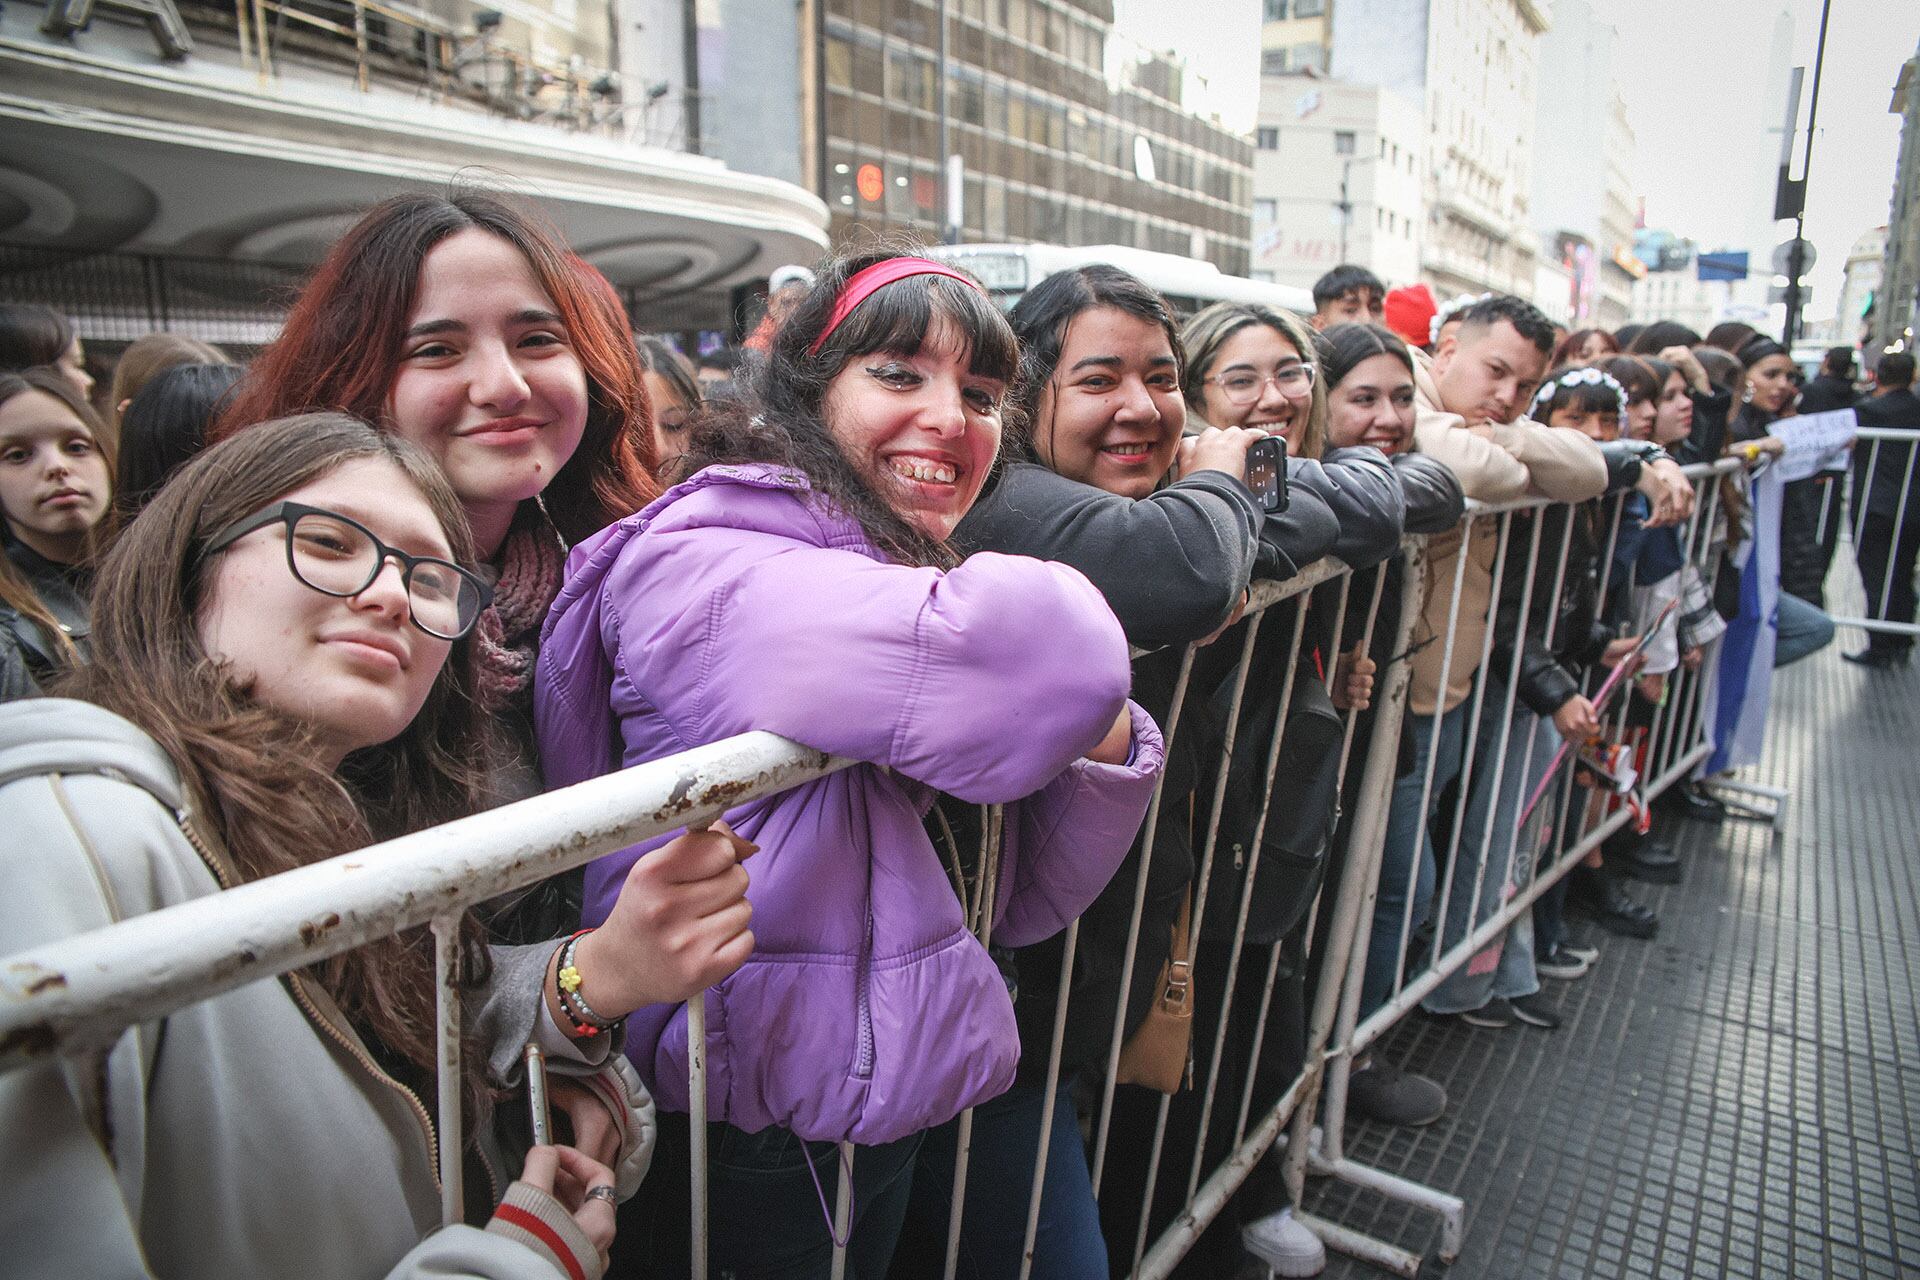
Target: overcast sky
{"x": 1693, "y": 77}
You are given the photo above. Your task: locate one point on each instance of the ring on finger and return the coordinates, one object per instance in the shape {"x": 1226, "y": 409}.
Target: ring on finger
{"x": 605, "y": 1192}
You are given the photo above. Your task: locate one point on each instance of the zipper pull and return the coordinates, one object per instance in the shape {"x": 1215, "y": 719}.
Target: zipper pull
{"x": 1239, "y": 856}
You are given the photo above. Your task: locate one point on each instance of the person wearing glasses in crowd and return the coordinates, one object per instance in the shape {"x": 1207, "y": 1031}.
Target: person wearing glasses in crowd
{"x": 461, "y": 324}
{"x": 802, "y": 582}
{"x": 285, "y": 672}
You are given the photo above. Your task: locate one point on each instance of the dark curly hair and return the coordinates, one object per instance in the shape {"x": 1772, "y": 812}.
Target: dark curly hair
{"x": 782, "y": 417}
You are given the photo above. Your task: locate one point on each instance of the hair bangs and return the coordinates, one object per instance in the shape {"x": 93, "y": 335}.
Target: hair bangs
{"x": 901, "y": 321}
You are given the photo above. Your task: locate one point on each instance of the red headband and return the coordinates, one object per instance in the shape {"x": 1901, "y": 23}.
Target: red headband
{"x": 864, "y": 284}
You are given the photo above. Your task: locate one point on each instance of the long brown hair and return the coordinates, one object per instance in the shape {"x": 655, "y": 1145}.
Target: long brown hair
{"x": 15, "y": 590}
{"x": 257, "y": 776}
{"x": 342, "y": 343}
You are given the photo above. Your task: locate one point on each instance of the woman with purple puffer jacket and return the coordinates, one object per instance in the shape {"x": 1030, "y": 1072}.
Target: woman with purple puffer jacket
{"x": 799, "y": 581}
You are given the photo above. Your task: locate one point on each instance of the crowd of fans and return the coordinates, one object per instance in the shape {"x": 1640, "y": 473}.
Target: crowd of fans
{"x": 458, "y": 535}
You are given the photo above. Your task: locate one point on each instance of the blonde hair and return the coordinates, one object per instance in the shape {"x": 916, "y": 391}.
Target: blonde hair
{"x": 149, "y": 357}
{"x": 1209, "y": 330}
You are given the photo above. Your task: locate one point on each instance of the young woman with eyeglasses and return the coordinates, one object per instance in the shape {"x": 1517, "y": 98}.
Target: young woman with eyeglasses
{"x": 802, "y": 582}
{"x": 285, "y": 673}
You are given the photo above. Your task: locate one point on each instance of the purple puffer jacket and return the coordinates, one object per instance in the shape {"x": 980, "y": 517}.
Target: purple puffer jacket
{"x": 734, "y": 603}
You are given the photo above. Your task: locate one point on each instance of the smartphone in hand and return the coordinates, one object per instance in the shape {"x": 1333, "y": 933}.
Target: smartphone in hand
{"x": 537, "y": 1097}
{"x": 1267, "y": 473}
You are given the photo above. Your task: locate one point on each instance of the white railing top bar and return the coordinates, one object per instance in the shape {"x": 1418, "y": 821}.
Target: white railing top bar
{"x": 82, "y": 992}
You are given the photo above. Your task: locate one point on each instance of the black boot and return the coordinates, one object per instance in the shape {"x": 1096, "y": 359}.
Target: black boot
{"x": 1686, "y": 801}
{"x": 1600, "y": 894}
{"x": 1642, "y": 857}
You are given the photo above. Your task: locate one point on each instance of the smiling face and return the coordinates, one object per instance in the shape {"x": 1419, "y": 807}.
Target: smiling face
{"x": 355, "y": 668}
{"x": 1673, "y": 418}
{"x": 1769, "y": 384}
{"x": 488, "y": 381}
{"x": 54, "y": 485}
{"x": 1112, "y": 414}
{"x": 1487, "y": 373}
{"x": 1286, "y": 388}
{"x": 922, "y": 429}
{"x": 1372, "y": 405}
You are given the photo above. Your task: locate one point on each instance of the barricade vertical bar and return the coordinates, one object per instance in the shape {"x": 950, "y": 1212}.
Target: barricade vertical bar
{"x": 1246, "y": 900}
{"x": 1052, "y": 1090}
{"x": 1130, "y": 954}
{"x": 446, "y": 973}
{"x": 697, "y": 1126}
{"x": 986, "y": 887}
{"x": 1336, "y": 1003}
{"x": 1478, "y": 702}
{"x": 842, "y": 1212}
{"x": 1201, "y": 880}
{"x": 1426, "y": 788}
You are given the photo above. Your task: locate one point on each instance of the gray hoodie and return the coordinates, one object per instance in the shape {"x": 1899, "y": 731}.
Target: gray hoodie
{"x": 249, "y": 1135}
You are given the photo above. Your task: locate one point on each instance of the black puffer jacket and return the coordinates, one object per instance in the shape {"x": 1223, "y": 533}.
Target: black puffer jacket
{"x": 1172, "y": 566}
{"x": 1575, "y": 616}
{"x": 29, "y": 657}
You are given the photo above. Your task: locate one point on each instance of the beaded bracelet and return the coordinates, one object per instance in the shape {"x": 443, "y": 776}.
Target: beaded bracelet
{"x": 567, "y": 980}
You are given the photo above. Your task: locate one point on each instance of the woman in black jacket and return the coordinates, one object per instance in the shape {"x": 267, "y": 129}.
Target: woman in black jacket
{"x": 56, "y": 490}
{"x": 1089, "y": 483}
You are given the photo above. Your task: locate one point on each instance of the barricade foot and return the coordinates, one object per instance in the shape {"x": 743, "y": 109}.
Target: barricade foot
{"x": 1364, "y": 1247}
{"x": 1729, "y": 793}
{"x": 1452, "y": 1210}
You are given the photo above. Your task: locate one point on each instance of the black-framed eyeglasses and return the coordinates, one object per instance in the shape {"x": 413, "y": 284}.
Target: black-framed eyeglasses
{"x": 338, "y": 556}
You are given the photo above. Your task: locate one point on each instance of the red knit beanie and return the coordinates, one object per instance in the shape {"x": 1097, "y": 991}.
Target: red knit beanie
{"x": 1409, "y": 311}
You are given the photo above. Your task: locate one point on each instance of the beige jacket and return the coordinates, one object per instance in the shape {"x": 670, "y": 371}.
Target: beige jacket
{"x": 248, "y": 1136}
{"x": 1503, "y": 463}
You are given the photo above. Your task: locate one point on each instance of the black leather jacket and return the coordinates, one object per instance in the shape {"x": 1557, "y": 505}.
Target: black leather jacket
{"x": 28, "y": 656}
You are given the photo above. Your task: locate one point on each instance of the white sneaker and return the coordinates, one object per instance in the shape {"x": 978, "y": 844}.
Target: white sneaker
{"x": 1284, "y": 1245}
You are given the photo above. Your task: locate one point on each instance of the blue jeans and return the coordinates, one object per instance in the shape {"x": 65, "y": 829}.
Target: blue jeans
{"x": 1408, "y": 860}
{"x": 993, "y": 1223}
{"x": 1802, "y": 629}
{"x": 767, "y": 1222}
{"x": 1504, "y": 968}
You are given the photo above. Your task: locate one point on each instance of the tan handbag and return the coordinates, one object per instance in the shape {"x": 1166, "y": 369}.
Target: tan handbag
{"x": 1158, "y": 1053}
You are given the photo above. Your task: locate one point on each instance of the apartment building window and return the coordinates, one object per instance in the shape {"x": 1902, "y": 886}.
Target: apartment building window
{"x": 1309, "y": 8}
{"x": 1265, "y": 212}
{"x": 1310, "y": 55}
{"x": 1277, "y": 10}
{"x": 1273, "y": 62}
{"x": 1343, "y": 142}
{"x": 1267, "y": 138}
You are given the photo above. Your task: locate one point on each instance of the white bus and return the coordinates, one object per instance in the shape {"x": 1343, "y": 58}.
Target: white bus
{"x": 1009, "y": 270}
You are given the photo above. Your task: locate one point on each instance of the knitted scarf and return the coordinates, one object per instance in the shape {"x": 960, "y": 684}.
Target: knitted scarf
{"x": 531, "y": 561}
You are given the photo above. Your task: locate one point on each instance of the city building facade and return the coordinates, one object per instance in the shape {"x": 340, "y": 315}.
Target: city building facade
{"x": 1896, "y": 309}
{"x": 1860, "y": 281}
{"x": 1065, "y": 134}
{"x": 182, "y": 166}
{"x": 1473, "y": 65}
{"x": 1295, "y": 36}
{"x": 1337, "y": 177}
{"x": 1583, "y": 188}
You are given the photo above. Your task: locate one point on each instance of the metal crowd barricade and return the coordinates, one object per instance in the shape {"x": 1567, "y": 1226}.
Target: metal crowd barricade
{"x": 1884, "y": 526}
{"x": 1526, "y": 863}
{"x": 82, "y": 992}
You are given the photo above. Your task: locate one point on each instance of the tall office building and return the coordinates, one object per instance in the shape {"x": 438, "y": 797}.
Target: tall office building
{"x": 1896, "y": 310}
{"x": 1477, "y": 86}
{"x": 1064, "y": 132}
{"x": 1583, "y": 210}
